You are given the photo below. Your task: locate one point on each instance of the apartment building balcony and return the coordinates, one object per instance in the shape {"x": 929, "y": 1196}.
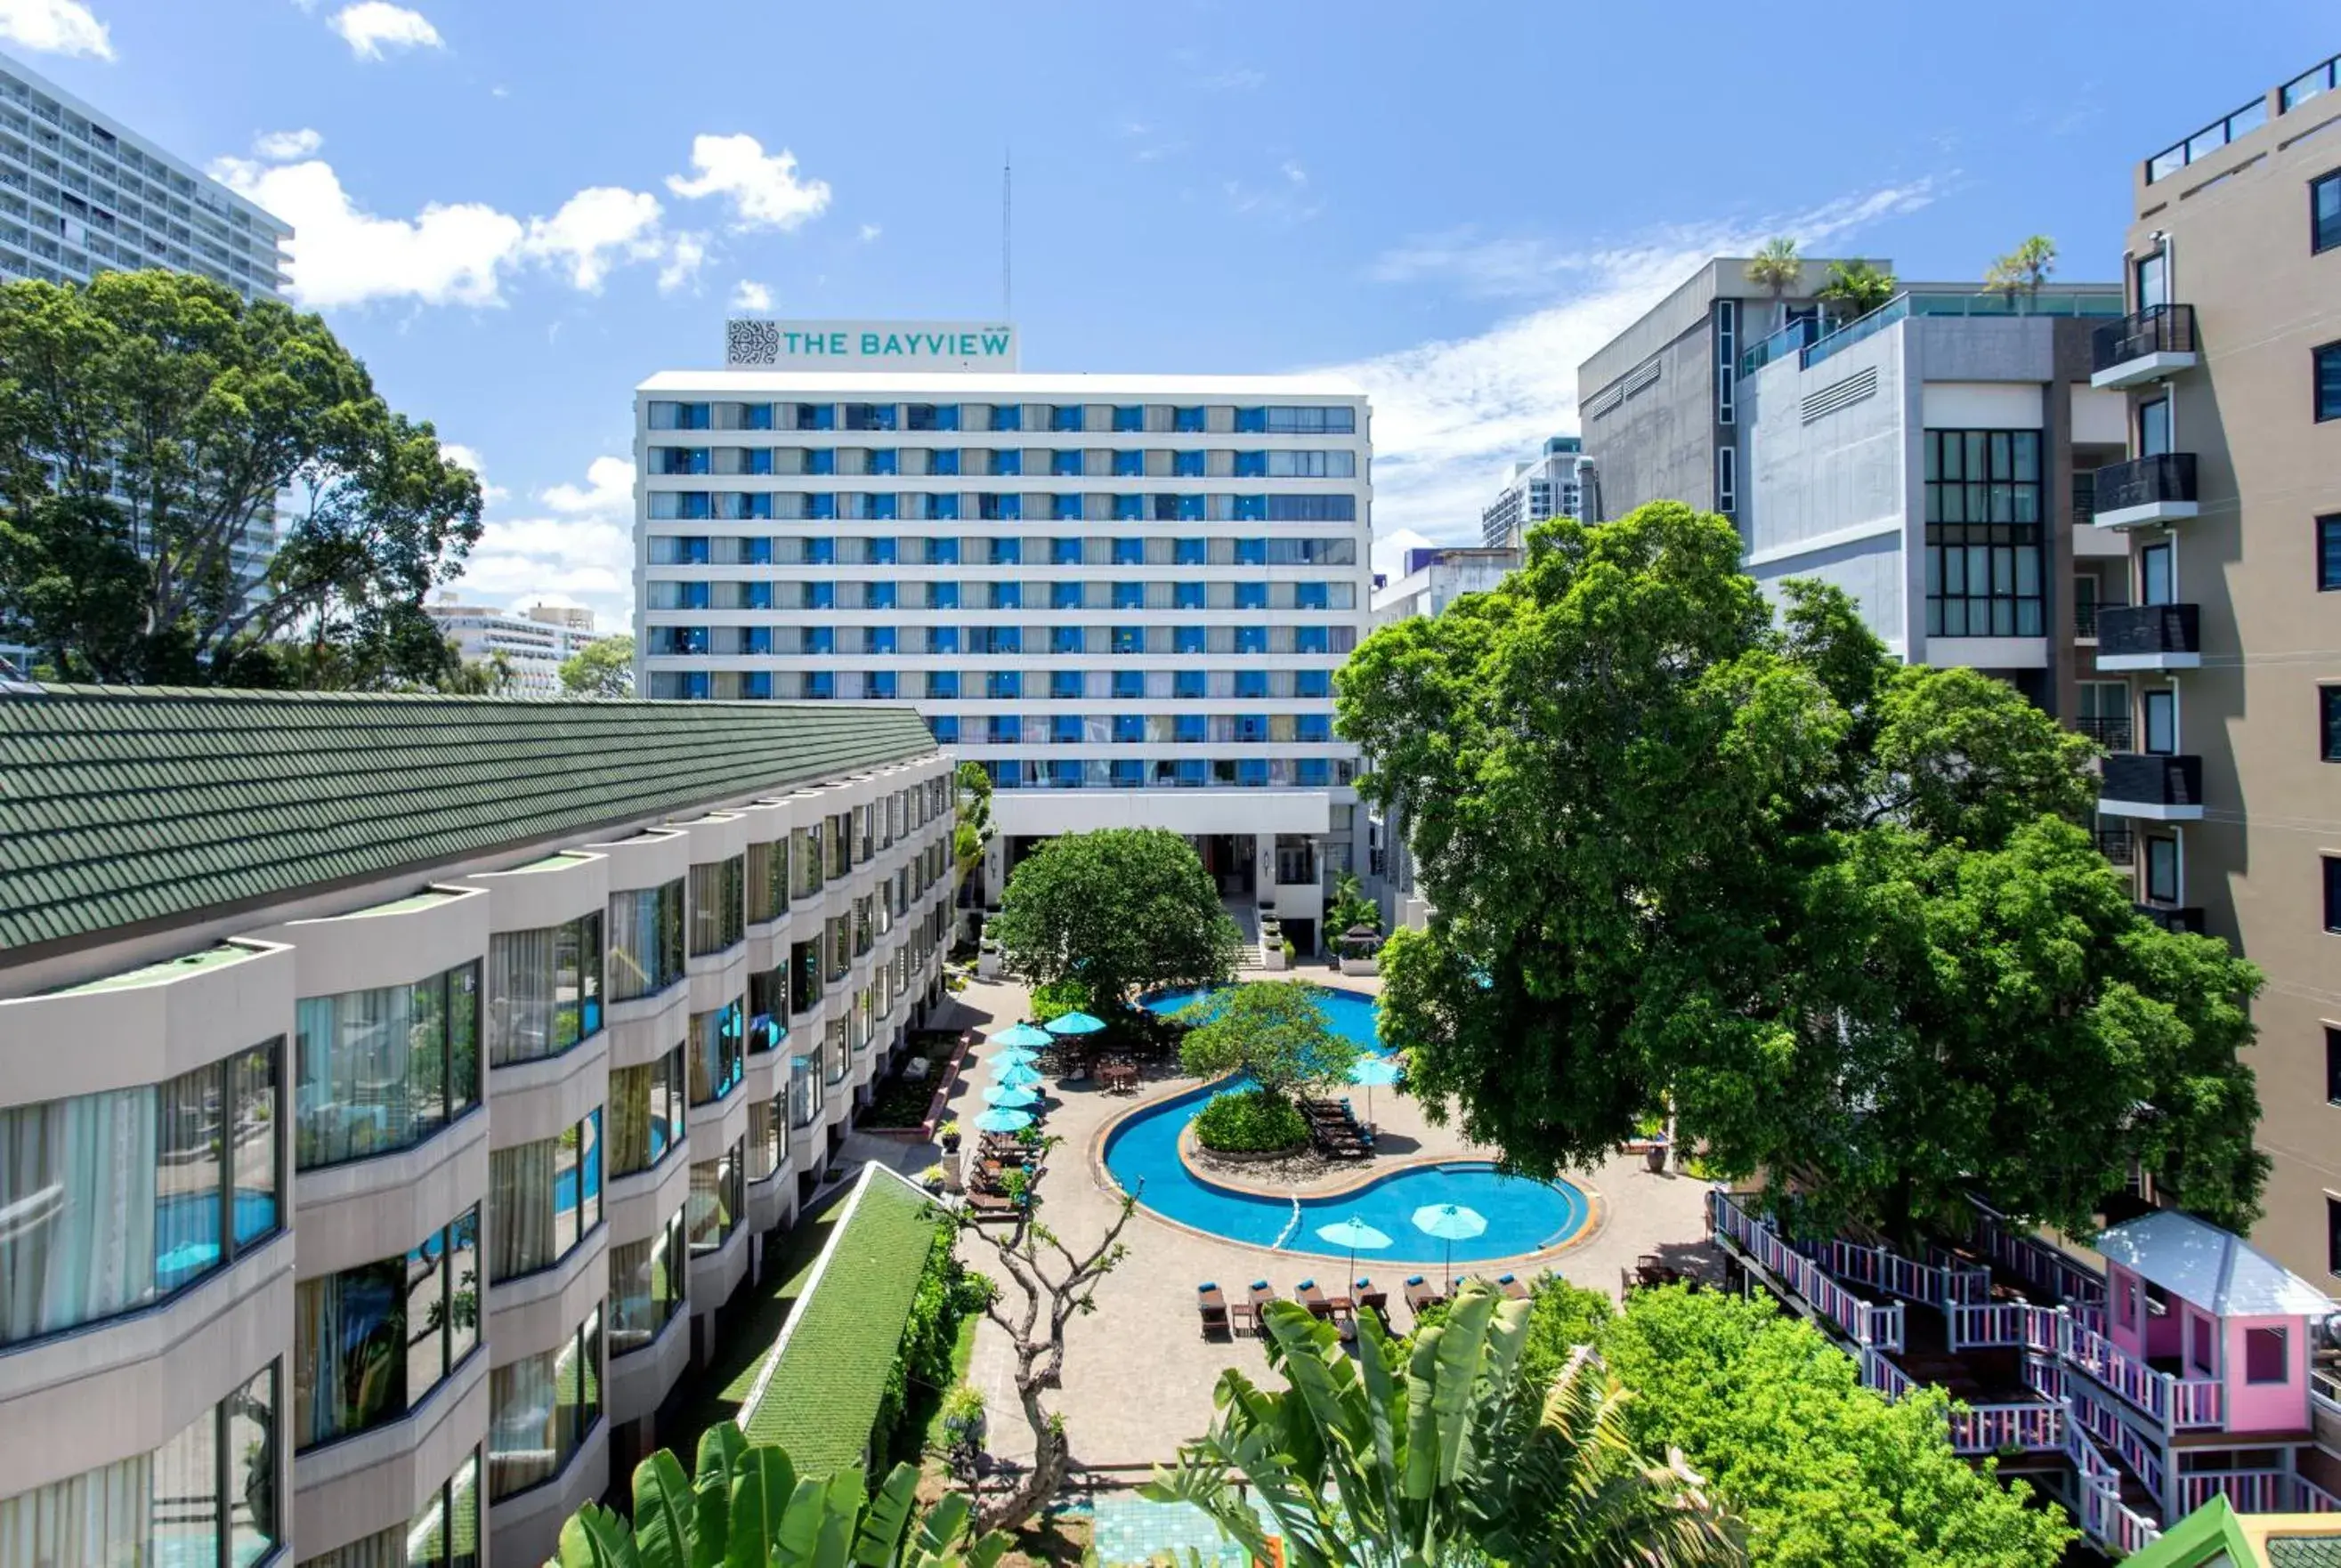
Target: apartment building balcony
{"x": 2111, "y": 732}
{"x": 2151, "y": 345}
{"x": 2171, "y": 918}
{"x": 2149, "y": 637}
{"x": 2118, "y": 844}
{"x": 2145, "y": 491}
{"x": 2156, "y": 788}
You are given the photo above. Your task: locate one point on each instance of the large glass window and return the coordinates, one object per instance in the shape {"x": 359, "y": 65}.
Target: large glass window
{"x": 2324, "y": 212}
{"x": 443, "y": 1533}
{"x": 646, "y": 1286}
{"x": 115, "y": 1200}
{"x": 370, "y": 1344}
{"x": 767, "y": 1139}
{"x": 2328, "y": 383}
{"x": 805, "y": 861}
{"x": 717, "y": 1054}
{"x": 768, "y": 881}
{"x": 718, "y": 1198}
{"x": 1983, "y": 533}
{"x": 544, "y": 989}
{"x": 540, "y": 1409}
{"x": 544, "y": 1198}
{"x": 383, "y": 1069}
{"x": 646, "y": 1113}
{"x": 715, "y": 906}
{"x": 768, "y": 1009}
{"x": 2162, "y": 870}
{"x": 645, "y": 940}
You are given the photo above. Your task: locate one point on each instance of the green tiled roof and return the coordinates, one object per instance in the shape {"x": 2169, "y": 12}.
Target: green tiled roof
{"x": 138, "y": 806}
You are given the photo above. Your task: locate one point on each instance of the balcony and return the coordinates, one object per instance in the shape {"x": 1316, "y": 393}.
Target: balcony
{"x": 2173, "y": 919}
{"x": 2111, "y": 732}
{"x": 2149, "y": 637}
{"x": 2153, "y": 345}
{"x": 2156, "y": 788}
{"x": 2118, "y": 844}
{"x": 2145, "y": 491}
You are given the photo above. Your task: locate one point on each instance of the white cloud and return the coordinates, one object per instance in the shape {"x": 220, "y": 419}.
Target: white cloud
{"x": 371, "y": 27}
{"x": 763, "y": 189}
{"x": 283, "y": 146}
{"x": 1294, "y": 172}
{"x": 1450, "y": 416}
{"x": 1242, "y": 79}
{"x": 684, "y": 255}
{"x": 583, "y": 555}
{"x": 55, "y": 27}
{"x": 345, "y": 255}
{"x": 465, "y": 457}
{"x": 748, "y": 294}
{"x": 596, "y": 229}
{"x": 608, "y": 489}
{"x": 869, "y": 232}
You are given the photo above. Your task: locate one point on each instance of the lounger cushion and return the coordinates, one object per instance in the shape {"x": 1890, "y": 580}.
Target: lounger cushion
{"x": 1208, "y": 1284}
{"x": 1414, "y": 1279}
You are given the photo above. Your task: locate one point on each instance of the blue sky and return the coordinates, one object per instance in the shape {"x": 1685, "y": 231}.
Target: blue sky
{"x": 514, "y": 211}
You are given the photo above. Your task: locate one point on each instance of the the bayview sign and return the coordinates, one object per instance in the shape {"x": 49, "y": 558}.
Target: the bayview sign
{"x": 753, "y": 344}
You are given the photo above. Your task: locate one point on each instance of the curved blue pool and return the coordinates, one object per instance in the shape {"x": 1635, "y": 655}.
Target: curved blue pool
{"x": 1523, "y": 1216}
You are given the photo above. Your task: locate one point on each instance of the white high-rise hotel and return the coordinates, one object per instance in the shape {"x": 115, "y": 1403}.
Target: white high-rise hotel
{"x": 1125, "y": 596}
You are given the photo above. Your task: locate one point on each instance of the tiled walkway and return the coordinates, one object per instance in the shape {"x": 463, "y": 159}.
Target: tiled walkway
{"x": 1131, "y": 1532}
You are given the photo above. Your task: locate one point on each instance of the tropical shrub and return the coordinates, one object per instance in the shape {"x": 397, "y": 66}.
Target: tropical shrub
{"x": 1248, "y": 1121}
{"x": 922, "y": 1362}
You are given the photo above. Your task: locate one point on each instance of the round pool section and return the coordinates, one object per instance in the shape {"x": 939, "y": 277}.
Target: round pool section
{"x": 1353, "y": 1015}
{"x": 1523, "y": 1216}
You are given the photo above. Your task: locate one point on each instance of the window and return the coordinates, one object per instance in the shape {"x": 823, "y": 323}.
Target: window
{"x": 1984, "y": 573}
{"x": 2328, "y": 553}
{"x": 2332, "y": 1247}
{"x": 646, "y": 1113}
{"x": 2332, "y": 1066}
{"x": 767, "y": 1139}
{"x": 210, "y": 1498}
{"x": 544, "y": 1198}
{"x": 2162, "y": 871}
{"x": 2332, "y": 893}
{"x": 2157, "y": 575}
{"x": 768, "y": 1009}
{"x": 541, "y": 1408}
{"x": 1312, "y": 508}
{"x": 717, "y": 1053}
{"x": 544, "y": 989}
{"x": 443, "y": 1533}
{"x": 2328, "y": 713}
{"x": 2328, "y": 383}
{"x": 717, "y": 916}
{"x": 2267, "y": 1355}
{"x": 134, "y": 1193}
{"x": 718, "y": 1196}
{"x": 1726, "y": 370}
{"x": 2153, "y": 279}
{"x": 768, "y": 881}
{"x": 384, "y": 1069}
{"x": 1726, "y": 479}
{"x": 2160, "y": 709}
{"x": 647, "y": 1287}
{"x": 2325, "y": 212}
{"x": 370, "y": 1344}
{"x": 645, "y": 940}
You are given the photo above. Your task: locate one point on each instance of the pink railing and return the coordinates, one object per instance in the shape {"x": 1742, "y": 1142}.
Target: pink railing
{"x": 2100, "y": 1422}
{"x": 2197, "y": 1402}
{"x": 2103, "y": 1515}
{"x": 1888, "y": 1271}
{"x": 1992, "y": 1428}
{"x": 1867, "y": 1323}
{"x": 1880, "y": 1373}
{"x": 2257, "y": 1492}
{"x": 2037, "y": 1263}
{"x": 2045, "y": 1375}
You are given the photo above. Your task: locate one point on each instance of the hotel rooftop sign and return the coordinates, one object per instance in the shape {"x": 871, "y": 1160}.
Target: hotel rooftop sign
{"x": 753, "y": 344}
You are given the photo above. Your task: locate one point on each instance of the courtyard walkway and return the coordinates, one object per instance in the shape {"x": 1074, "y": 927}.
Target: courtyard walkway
{"x": 1138, "y": 1375}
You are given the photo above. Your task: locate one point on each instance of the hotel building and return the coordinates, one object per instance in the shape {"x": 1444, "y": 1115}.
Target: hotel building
{"x": 1124, "y": 596}
{"x": 392, "y": 1089}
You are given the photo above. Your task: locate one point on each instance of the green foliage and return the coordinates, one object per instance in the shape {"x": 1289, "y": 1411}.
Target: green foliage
{"x": 973, "y": 830}
{"x": 1118, "y": 909}
{"x": 1826, "y": 1474}
{"x": 1856, "y": 288}
{"x": 1058, "y": 997}
{"x": 922, "y": 1367}
{"x": 1439, "y": 1452}
{"x": 603, "y": 668}
{"x": 1840, "y": 913}
{"x": 2023, "y": 269}
{"x": 1248, "y": 1121}
{"x": 1563, "y": 1318}
{"x": 1273, "y": 1032}
{"x": 747, "y": 1507}
{"x": 1350, "y": 906}
{"x": 160, "y": 410}
{"x": 1775, "y": 265}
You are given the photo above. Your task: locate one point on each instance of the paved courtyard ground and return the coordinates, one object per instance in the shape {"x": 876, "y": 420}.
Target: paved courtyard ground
{"x": 1139, "y": 1373}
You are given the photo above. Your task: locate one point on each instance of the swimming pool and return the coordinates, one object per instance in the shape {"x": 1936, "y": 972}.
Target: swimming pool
{"x": 1355, "y": 1016}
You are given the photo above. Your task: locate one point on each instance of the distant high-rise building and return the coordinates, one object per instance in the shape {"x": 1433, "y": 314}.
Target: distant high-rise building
{"x": 533, "y": 645}
{"x": 1541, "y": 488}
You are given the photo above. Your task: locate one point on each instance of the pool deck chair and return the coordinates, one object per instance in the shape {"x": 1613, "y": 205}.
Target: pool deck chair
{"x": 1420, "y": 1294}
{"x": 1369, "y": 1299}
{"x": 1511, "y": 1286}
{"x": 1213, "y": 1307}
{"x": 1308, "y": 1294}
{"x": 1261, "y": 1294}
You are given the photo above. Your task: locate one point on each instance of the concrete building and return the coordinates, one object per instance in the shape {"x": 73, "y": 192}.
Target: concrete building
{"x": 1434, "y": 578}
{"x": 2230, "y": 502}
{"x": 1658, "y": 401}
{"x": 1539, "y": 488}
{"x": 533, "y": 645}
{"x": 1125, "y": 596}
{"x": 383, "y": 1135}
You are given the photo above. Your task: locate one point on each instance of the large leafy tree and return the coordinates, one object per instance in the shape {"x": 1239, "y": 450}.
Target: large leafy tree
{"x": 1836, "y": 914}
{"x": 603, "y": 668}
{"x": 1272, "y": 1030}
{"x": 153, "y": 424}
{"x": 1826, "y": 1473}
{"x": 1440, "y": 1453}
{"x": 1117, "y": 909}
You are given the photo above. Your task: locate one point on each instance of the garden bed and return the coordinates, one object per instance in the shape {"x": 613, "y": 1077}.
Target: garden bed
{"x": 908, "y": 1107}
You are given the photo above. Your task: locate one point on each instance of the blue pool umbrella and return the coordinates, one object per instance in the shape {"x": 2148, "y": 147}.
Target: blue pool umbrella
{"x": 1024, "y": 1035}
{"x": 1075, "y": 1024}
{"x": 1016, "y": 1078}
{"x": 1354, "y": 1234}
{"x": 1370, "y": 1071}
{"x": 1001, "y": 1119}
{"x": 1450, "y": 1223}
{"x": 1014, "y": 1056}
{"x": 1014, "y": 1099}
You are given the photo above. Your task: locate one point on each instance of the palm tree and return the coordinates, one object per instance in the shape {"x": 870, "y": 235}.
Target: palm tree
{"x": 1856, "y": 288}
{"x": 1449, "y": 1459}
{"x": 2023, "y": 270}
{"x": 1775, "y": 267}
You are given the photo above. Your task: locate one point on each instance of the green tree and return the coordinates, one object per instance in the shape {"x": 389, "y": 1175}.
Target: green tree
{"x": 973, "y": 831}
{"x": 1838, "y": 913}
{"x": 1855, "y": 288}
{"x": 1563, "y": 1318}
{"x": 1776, "y": 267}
{"x": 747, "y": 1507}
{"x": 1118, "y": 909}
{"x": 1439, "y": 1453}
{"x": 2023, "y": 270}
{"x": 1350, "y": 906}
{"x": 152, "y": 422}
{"x": 1273, "y": 1032}
{"x": 1826, "y": 1472}
{"x": 603, "y": 668}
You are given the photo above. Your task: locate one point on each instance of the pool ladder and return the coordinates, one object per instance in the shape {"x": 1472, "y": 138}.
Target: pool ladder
{"x": 1290, "y": 1225}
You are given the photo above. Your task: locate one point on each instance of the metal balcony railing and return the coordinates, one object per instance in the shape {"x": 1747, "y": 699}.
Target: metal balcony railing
{"x": 2112, "y": 733}
{"x": 2085, "y": 618}
{"x": 2135, "y": 630}
{"x": 2148, "y": 779}
{"x": 2118, "y": 844}
{"x": 2143, "y": 480}
{"x": 2171, "y": 918}
{"x": 2155, "y": 330}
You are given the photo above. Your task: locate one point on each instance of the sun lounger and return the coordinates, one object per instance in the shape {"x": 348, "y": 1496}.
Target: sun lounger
{"x": 1213, "y": 1307}
{"x": 1511, "y": 1287}
{"x": 1377, "y": 1302}
{"x": 1420, "y": 1294}
{"x": 1308, "y": 1295}
{"x": 1261, "y": 1294}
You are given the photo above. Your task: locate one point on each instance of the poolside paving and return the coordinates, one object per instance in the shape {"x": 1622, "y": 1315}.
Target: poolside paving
{"x": 1138, "y": 1373}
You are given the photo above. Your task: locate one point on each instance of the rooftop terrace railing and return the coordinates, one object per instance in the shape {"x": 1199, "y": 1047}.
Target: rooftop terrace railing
{"x": 2315, "y": 81}
{"x": 2087, "y": 303}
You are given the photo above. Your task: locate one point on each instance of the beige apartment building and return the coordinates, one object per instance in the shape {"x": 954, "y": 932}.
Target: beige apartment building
{"x": 2230, "y": 501}
{"x": 392, "y": 1089}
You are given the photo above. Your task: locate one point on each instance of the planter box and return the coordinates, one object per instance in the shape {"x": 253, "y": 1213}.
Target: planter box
{"x": 987, "y": 965}
{"x": 1272, "y": 958}
{"x": 1361, "y": 967}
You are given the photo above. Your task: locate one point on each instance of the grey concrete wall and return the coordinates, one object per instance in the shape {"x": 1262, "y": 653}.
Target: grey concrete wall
{"x": 1660, "y": 443}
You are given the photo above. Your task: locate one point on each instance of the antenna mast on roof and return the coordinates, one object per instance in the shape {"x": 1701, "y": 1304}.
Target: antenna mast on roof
{"x": 1007, "y": 276}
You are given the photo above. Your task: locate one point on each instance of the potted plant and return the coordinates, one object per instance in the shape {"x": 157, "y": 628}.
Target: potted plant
{"x": 949, "y": 1132}
{"x": 932, "y": 1179}
{"x": 964, "y": 1425}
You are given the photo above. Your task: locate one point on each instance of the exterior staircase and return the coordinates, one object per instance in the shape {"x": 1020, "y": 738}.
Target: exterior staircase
{"x": 1246, "y": 916}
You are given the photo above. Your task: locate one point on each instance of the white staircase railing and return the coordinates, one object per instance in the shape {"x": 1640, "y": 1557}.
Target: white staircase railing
{"x": 1863, "y": 1322}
